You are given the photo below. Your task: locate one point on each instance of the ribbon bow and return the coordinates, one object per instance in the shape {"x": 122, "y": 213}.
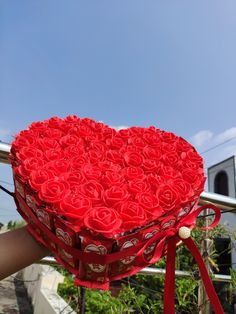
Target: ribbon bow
{"x": 184, "y": 235}
{"x": 171, "y": 236}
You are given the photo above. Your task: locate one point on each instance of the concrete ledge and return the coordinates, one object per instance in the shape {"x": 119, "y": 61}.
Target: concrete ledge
{"x": 41, "y": 282}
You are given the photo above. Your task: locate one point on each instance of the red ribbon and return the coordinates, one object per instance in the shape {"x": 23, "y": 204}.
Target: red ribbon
{"x": 169, "y": 237}
{"x": 169, "y": 291}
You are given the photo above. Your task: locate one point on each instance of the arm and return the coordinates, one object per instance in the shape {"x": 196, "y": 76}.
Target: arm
{"x": 18, "y": 249}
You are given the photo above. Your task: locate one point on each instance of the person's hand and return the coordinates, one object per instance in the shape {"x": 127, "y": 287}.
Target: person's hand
{"x": 18, "y": 249}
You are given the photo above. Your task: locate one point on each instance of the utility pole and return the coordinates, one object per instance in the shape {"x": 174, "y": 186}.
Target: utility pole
{"x": 206, "y": 245}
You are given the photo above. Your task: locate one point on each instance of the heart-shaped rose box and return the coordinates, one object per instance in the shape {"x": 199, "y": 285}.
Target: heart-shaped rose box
{"x": 104, "y": 201}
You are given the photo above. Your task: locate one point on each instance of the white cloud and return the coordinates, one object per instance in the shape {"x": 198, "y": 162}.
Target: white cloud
{"x": 5, "y": 134}
{"x": 226, "y": 135}
{"x": 120, "y": 127}
{"x": 205, "y": 140}
{"x": 201, "y": 138}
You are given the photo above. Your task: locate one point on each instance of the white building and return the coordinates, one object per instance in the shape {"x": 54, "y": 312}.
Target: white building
{"x": 222, "y": 180}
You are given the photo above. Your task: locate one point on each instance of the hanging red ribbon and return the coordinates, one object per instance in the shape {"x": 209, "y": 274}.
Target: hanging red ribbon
{"x": 169, "y": 294}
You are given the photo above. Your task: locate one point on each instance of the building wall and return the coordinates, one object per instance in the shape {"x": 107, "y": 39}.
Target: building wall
{"x": 229, "y": 167}
{"x": 227, "y": 219}
{"x": 41, "y": 282}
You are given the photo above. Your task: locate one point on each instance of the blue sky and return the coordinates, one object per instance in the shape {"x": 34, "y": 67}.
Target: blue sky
{"x": 166, "y": 63}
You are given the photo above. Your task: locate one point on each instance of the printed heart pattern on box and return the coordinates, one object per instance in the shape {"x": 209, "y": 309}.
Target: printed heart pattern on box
{"x": 103, "y": 180}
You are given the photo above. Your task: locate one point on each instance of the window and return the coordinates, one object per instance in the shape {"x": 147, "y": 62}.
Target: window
{"x": 221, "y": 183}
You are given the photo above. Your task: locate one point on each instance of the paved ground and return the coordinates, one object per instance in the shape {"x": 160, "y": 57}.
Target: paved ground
{"x": 13, "y": 296}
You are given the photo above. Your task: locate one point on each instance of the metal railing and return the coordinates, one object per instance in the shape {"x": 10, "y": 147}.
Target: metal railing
{"x": 151, "y": 271}
{"x": 4, "y": 152}
{"x": 224, "y": 202}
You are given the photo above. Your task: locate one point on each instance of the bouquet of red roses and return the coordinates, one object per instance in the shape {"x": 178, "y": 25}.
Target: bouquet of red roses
{"x": 106, "y": 202}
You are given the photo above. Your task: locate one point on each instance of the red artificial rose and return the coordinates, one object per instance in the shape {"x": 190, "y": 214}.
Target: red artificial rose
{"x": 115, "y": 194}
{"x": 150, "y": 204}
{"x": 97, "y": 146}
{"x": 55, "y": 122}
{"x": 132, "y": 173}
{"x": 168, "y": 137}
{"x": 75, "y": 206}
{"x": 152, "y": 129}
{"x": 108, "y": 133}
{"x": 58, "y": 166}
{"x": 192, "y": 177}
{"x": 133, "y": 159}
{"x": 23, "y": 139}
{"x": 51, "y": 133}
{"x": 98, "y": 127}
{"x": 137, "y": 141}
{"x": 170, "y": 158}
{"x": 74, "y": 179}
{"x": 72, "y": 119}
{"x": 132, "y": 215}
{"x": 168, "y": 149}
{"x": 114, "y": 156}
{"x": 187, "y": 164}
{"x": 68, "y": 140}
{"x": 152, "y": 139}
{"x": 109, "y": 166}
{"x": 29, "y": 152}
{"x": 53, "y": 191}
{"x": 78, "y": 162}
{"x": 184, "y": 190}
{"x": 87, "y": 122}
{"x": 74, "y": 131}
{"x": 38, "y": 177}
{"x": 48, "y": 143}
{"x": 91, "y": 172}
{"x": 93, "y": 190}
{"x": 182, "y": 146}
{"x": 111, "y": 178}
{"x": 26, "y": 134}
{"x": 95, "y": 156}
{"x": 74, "y": 150}
{"x": 138, "y": 186}
{"x": 154, "y": 181}
{"x": 103, "y": 220}
{"x": 168, "y": 172}
{"x": 38, "y": 126}
{"x": 33, "y": 163}
{"x": 151, "y": 153}
{"x": 147, "y": 200}
{"x": 130, "y": 149}
{"x": 22, "y": 172}
{"x": 193, "y": 157}
{"x": 53, "y": 154}
{"x": 84, "y": 131}
{"x": 151, "y": 166}
{"x": 168, "y": 197}
{"x": 96, "y": 151}
{"x": 124, "y": 133}
{"x": 115, "y": 142}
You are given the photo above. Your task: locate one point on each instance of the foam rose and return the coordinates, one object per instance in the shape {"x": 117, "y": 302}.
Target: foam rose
{"x": 103, "y": 220}
{"x": 75, "y": 206}
{"x": 53, "y": 191}
{"x": 132, "y": 214}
